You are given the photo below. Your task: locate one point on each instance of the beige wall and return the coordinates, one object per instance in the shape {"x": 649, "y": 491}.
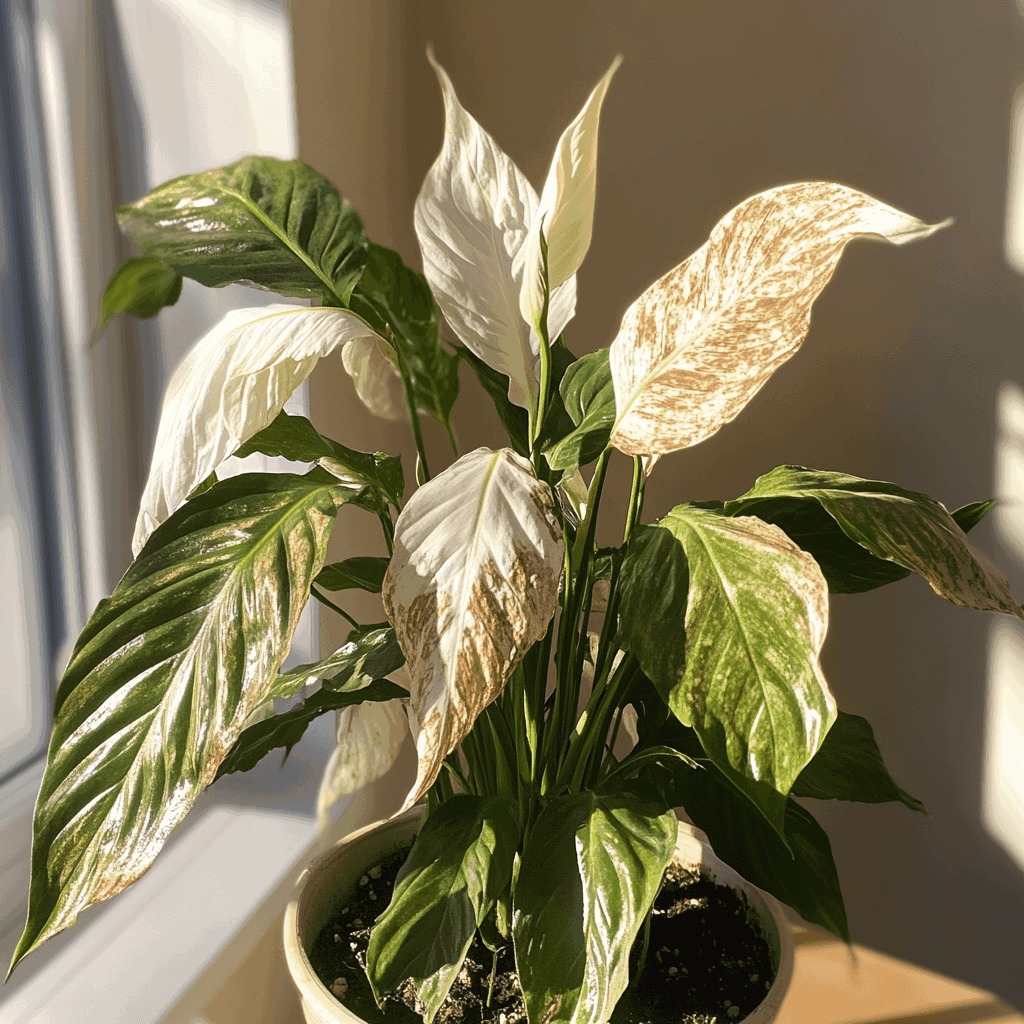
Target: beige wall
{"x": 909, "y": 101}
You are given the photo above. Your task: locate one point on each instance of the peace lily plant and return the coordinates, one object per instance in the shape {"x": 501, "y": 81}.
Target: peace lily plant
{"x": 519, "y": 651}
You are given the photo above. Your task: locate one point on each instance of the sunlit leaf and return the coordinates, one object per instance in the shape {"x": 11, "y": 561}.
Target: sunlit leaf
{"x": 472, "y": 584}
{"x": 370, "y": 363}
{"x": 163, "y": 679}
{"x": 697, "y": 346}
{"x": 273, "y": 223}
{"x": 141, "y": 287}
{"x": 232, "y": 383}
{"x": 459, "y": 865}
{"x": 894, "y": 527}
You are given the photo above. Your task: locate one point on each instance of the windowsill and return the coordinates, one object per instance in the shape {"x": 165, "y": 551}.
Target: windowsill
{"x": 161, "y": 950}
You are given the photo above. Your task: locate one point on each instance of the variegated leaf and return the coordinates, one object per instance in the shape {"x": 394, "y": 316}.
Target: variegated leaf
{"x": 697, "y": 346}
{"x": 472, "y": 217}
{"x": 472, "y": 584}
{"x": 233, "y": 383}
{"x": 370, "y": 738}
{"x": 376, "y": 377}
{"x": 565, "y": 214}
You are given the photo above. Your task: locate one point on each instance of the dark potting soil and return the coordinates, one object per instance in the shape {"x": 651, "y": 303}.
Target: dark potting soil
{"x": 706, "y": 964}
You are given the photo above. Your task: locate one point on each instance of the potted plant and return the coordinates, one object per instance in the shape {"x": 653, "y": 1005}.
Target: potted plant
{"x": 529, "y": 651}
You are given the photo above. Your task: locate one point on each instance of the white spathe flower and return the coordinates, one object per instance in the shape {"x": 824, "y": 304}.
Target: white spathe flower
{"x": 232, "y": 384}
{"x": 479, "y": 220}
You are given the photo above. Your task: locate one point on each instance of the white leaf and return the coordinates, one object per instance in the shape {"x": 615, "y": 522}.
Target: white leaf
{"x": 233, "y": 382}
{"x": 697, "y": 346}
{"x": 377, "y": 379}
{"x": 370, "y": 738}
{"x": 566, "y": 211}
{"x": 472, "y": 216}
{"x": 472, "y": 585}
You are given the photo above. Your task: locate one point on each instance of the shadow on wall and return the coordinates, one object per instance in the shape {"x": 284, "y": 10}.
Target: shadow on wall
{"x": 900, "y": 376}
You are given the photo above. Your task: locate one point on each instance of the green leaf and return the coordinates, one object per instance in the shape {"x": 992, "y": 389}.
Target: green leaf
{"x": 391, "y": 296}
{"x": 513, "y": 418}
{"x": 590, "y": 872}
{"x": 800, "y": 872}
{"x": 162, "y": 680}
{"x": 588, "y": 396}
{"x": 459, "y": 865}
{"x": 756, "y": 613}
{"x": 363, "y": 572}
{"x": 865, "y": 533}
{"x": 141, "y": 287}
{"x": 295, "y": 438}
{"x": 288, "y": 727}
{"x": 276, "y": 224}
{"x": 849, "y": 766}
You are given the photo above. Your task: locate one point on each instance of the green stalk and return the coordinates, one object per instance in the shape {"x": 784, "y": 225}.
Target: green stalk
{"x": 414, "y": 417}
{"x": 537, "y": 420}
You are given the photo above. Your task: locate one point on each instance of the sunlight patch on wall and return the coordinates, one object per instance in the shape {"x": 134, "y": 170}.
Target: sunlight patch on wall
{"x": 1013, "y": 232}
{"x": 1003, "y": 770}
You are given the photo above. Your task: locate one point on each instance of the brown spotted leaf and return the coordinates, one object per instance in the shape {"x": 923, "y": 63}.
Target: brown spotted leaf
{"x": 472, "y": 585}
{"x": 697, "y": 346}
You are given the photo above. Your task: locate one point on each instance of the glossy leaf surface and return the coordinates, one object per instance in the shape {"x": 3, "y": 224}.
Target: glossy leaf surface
{"x": 273, "y": 223}
{"x": 472, "y": 584}
{"x": 162, "y": 680}
{"x": 588, "y": 396}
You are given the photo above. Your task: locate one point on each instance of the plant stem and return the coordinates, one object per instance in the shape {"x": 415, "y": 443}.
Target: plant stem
{"x": 323, "y": 599}
{"x": 537, "y": 420}
{"x": 410, "y": 405}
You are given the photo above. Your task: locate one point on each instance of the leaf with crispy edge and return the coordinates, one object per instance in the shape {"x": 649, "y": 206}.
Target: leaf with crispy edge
{"x": 472, "y": 585}
{"x": 276, "y": 224}
{"x": 163, "y": 679}
{"x": 459, "y": 865}
{"x": 697, "y": 346}
{"x": 756, "y": 614}
{"x": 900, "y": 532}
{"x": 232, "y": 383}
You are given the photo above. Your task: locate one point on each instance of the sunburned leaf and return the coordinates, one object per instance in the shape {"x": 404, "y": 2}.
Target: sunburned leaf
{"x": 460, "y": 864}
{"x": 363, "y": 572}
{"x": 141, "y": 287}
{"x": 697, "y": 346}
{"x": 849, "y": 766}
{"x": 565, "y": 213}
{"x": 472, "y": 216}
{"x": 751, "y": 682}
{"x": 472, "y": 584}
{"x": 589, "y": 399}
{"x": 591, "y": 869}
{"x": 276, "y": 224}
{"x": 162, "y": 680}
{"x": 892, "y": 532}
{"x": 232, "y": 383}
{"x": 296, "y": 439}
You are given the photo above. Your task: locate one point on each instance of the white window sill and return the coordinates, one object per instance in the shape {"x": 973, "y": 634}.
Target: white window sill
{"x": 166, "y": 948}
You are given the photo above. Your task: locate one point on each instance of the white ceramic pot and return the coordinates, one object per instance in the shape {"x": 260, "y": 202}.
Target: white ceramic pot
{"x": 332, "y": 878}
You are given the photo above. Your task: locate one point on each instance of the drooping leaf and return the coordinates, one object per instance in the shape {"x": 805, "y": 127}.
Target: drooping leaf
{"x": 849, "y": 766}
{"x": 233, "y": 383}
{"x": 371, "y": 363}
{"x": 459, "y": 865}
{"x": 565, "y": 213}
{"x": 589, "y": 399}
{"x": 697, "y": 346}
{"x": 799, "y": 871}
{"x": 472, "y": 584}
{"x": 894, "y": 527}
{"x": 296, "y": 439}
{"x": 472, "y": 216}
{"x": 362, "y": 572}
{"x": 286, "y": 728}
{"x": 751, "y": 682}
{"x": 591, "y": 869}
{"x": 393, "y": 298}
{"x": 370, "y": 736}
{"x": 141, "y": 287}
{"x": 273, "y": 223}
{"x": 162, "y": 680}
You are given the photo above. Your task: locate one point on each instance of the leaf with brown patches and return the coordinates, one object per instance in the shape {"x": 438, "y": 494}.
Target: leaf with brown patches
{"x": 472, "y": 585}
{"x": 697, "y": 346}
{"x": 163, "y": 680}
